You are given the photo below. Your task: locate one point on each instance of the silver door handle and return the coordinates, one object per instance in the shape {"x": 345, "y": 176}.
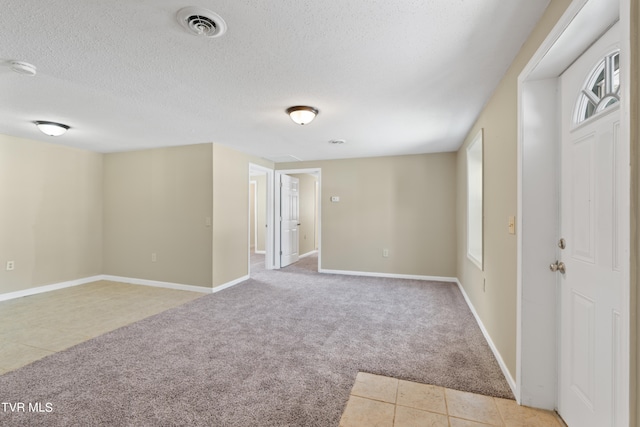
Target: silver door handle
{"x": 558, "y": 266}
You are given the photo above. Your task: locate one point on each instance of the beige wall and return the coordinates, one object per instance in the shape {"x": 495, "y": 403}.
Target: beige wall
{"x": 307, "y": 203}
{"x": 51, "y": 215}
{"x": 158, "y": 201}
{"x": 404, "y": 203}
{"x": 231, "y": 213}
{"x": 497, "y": 304}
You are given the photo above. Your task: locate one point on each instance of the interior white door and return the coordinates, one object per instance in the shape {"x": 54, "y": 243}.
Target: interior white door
{"x": 290, "y": 221}
{"x": 590, "y": 341}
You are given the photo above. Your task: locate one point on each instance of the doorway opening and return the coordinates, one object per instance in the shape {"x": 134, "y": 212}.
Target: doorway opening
{"x": 260, "y": 226}
{"x": 306, "y": 236}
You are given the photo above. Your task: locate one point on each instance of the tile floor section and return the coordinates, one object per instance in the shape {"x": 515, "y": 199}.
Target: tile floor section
{"x": 38, "y": 325}
{"x": 35, "y": 326}
{"x": 378, "y": 401}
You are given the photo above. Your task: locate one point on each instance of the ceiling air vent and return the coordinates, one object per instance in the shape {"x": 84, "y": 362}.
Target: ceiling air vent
{"x": 201, "y": 22}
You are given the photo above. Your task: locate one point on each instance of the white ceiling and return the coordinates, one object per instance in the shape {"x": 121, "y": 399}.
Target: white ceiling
{"x": 389, "y": 77}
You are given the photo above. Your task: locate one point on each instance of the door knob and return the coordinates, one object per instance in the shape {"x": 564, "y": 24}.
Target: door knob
{"x": 558, "y": 266}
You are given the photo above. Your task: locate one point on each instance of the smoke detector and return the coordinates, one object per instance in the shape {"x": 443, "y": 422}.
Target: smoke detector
{"x": 21, "y": 67}
{"x": 201, "y": 22}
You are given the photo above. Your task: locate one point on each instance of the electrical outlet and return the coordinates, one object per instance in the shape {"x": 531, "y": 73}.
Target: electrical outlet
{"x": 154, "y": 257}
{"x": 385, "y": 253}
{"x": 207, "y": 221}
{"x": 11, "y": 265}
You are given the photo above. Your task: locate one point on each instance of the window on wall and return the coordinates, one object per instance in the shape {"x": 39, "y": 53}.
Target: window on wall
{"x": 601, "y": 89}
{"x": 474, "y": 200}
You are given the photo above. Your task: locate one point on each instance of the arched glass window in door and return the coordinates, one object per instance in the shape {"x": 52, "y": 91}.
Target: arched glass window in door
{"x": 601, "y": 90}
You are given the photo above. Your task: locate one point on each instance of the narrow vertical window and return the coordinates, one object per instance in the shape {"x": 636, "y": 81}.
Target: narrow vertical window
{"x": 474, "y": 200}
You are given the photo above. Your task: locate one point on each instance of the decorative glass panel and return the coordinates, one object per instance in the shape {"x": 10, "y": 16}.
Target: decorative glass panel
{"x": 601, "y": 90}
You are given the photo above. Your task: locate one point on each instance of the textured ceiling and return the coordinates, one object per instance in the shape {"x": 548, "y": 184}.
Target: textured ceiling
{"x": 389, "y": 77}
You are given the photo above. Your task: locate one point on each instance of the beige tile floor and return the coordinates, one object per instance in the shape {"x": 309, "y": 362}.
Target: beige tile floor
{"x": 378, "y": 401}
{"x": 35, "y": 326}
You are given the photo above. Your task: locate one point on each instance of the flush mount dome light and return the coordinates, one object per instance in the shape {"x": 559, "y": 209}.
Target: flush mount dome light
{"x": 301, "y": 114}
{"x": 201, "y": 22}
{"x": 22, "y": 67}
{"x": 51, "y": 128}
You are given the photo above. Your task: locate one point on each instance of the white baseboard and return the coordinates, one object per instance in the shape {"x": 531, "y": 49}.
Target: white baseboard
{"x": 229, "y": 284}
{"x": 48, "y": 288}
{"x": 494, "y": 349}
{"x": 120, "y": 279}
{"x": 156, "y": 283}
{"x": 389, "y": 275}
{"x": 308, "y": 254}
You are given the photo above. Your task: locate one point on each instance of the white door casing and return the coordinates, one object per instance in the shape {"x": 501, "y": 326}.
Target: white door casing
{"x": 539, "y": 134}
{"x": 270, "y": 258}
{"x": 290, "y": 217}
{"x": 590, "y": 292}
{"x": 317, "y": 172}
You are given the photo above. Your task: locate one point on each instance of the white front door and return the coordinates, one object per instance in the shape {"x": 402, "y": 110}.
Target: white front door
{"x": 590, "y": 289}
{"x": 290, "y": 211}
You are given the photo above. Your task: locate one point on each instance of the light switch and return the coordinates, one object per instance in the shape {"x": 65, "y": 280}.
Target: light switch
{"x": 512, "y": 225}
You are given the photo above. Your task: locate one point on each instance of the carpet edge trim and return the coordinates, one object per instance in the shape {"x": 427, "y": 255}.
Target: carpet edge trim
{"x": 492, "y": 346}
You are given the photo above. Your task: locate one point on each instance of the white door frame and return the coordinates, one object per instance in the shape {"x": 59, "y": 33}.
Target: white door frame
{"x": 277, "y": 216}
{"x": 253, "y": 239}
{"x": 268, "y": 242}
{"x": 538, "y": 154}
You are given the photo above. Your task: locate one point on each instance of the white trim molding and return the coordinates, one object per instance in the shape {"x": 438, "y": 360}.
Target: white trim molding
{"x": 230, "y": 284}
{"x": 537, "y": 360}
{"x": 157, "y": 284}
{"x": 47, "y": 288}
{"x": 120, "y": 279}
{"x": 277, "y": 214}
{"x": 308, "y": 254}
{"x": 492, "y": 346}
{"x": 389, "y": 275}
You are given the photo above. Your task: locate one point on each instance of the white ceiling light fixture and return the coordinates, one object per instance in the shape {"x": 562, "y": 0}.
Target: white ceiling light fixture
{"x": 24, "y": 68}
{"x": 51, "y": 128}
{"x": 201, "y": 22}
{"x": 301, "y": 114}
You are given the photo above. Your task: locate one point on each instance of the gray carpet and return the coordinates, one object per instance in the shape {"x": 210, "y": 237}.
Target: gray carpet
{"x": 281, "y": 349}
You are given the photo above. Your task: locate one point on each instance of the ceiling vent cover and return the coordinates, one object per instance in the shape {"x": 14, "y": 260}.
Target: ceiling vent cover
{"x": 201, "y": 22}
